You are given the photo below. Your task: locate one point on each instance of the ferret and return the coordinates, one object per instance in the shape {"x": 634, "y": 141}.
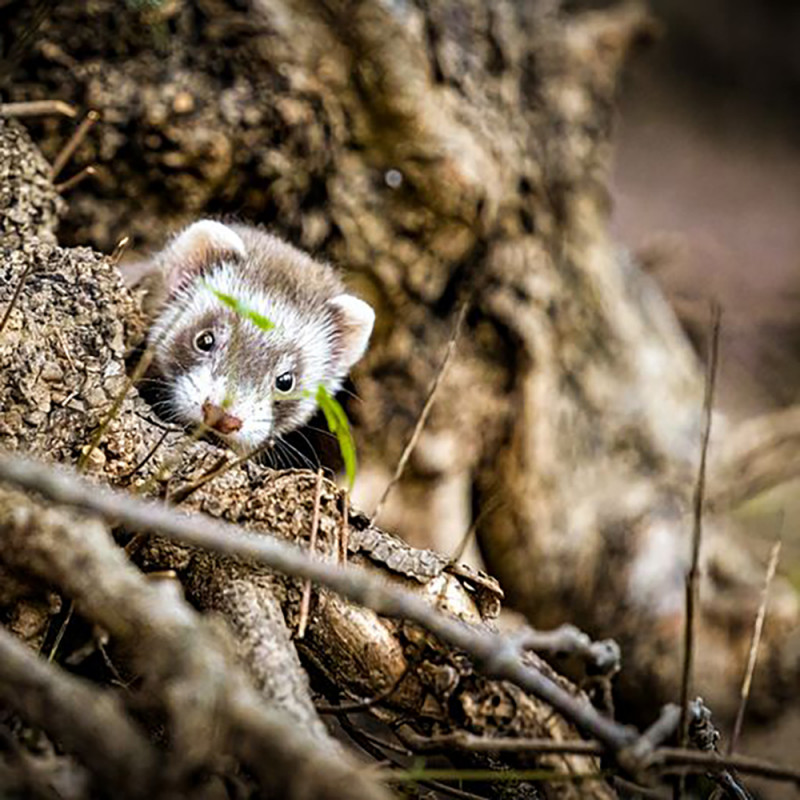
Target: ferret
{"x": 250, "y": 372}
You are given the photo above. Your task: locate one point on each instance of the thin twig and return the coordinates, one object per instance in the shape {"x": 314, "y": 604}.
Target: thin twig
{"x": 217, "y": 471}
{"x": 305, "y": 602}
{"x": 426, "y": 410}
{"x": 666, "y": 757}
{"x": 119, "y": 250}
{"x": 758, "y": 627}
{"x": 72, "y": 182}
{"x": 62, "y": 629}
{"x": 139, "y": 371}
{"x": 363, "y": 741}
{"x": 362, "y": 705}
{"x": 73, "y": 143}
{"x": 481, "y": 775}
{"x": 37, "y": 108}
{"x": 344, "y": 533}
{"x": 218, "y": 468}
{"x": 390, "y": 746}
{"x": 147, "y": 458}
{"x": 692, "y": 580}
{"x": 141, "y": 368}
{"x": 14, "y": 297}
{"x": 601, "y": 657}
{"x": 461, "y": 547}
{"x": 641, "y": 750}
{"x": 372, "y": 745}
{"x": 461, "y": 740}
{"x": 164, "y": 472}
{"x": 660, "y": 731}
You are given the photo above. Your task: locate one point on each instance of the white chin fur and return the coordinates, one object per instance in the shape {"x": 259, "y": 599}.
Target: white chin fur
{"x": 244, "y": 441}
{"x": 193, "y": 389}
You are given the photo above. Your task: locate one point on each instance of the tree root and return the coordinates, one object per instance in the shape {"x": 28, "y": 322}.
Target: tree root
{"x": 187, "y": 667}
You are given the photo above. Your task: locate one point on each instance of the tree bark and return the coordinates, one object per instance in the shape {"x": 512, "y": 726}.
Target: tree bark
{"x": 442, "y": 152}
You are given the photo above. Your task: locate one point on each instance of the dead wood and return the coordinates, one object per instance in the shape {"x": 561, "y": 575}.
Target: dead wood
{"x": 212, "y": 707}
{"x": 440, "y": 150}
{"x": 90, "y": 723}
{"x": 436, "y": 150}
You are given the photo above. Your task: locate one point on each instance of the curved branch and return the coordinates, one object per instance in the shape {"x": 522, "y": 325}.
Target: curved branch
{"x": 87, "y": 722}
{"x": 211, "y": 705}
{"x": 756, "y": 456}
{"x": 249, "y": 605}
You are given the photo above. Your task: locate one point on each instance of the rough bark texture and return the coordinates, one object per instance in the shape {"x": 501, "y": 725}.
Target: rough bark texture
{"x": 191, "y": 684}
{"x": 439, "y": 151}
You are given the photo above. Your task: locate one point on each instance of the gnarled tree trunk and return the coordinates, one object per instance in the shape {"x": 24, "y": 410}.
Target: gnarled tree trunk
{"x": 448, "y": 152}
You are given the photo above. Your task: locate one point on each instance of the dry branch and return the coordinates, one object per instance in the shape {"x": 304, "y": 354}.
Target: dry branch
{"x": 264, "y": 644}
{"x": 496, "y": 655}
{"x": 210, "y": 702}
{"x": 758, "y": 627}
{"x": 88, "y": 722}
{"x": 73, "y": 143}
{"x": 693, "y": 577}
{"x": 37, "y": 108}
{"x": 423, "y": 414}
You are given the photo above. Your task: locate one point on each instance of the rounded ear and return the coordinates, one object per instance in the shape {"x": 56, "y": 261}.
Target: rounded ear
{"x": 197, "y": 248}
{"x": 354, "y": 321}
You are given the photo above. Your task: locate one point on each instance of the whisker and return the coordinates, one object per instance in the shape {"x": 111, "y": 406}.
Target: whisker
{"x": 323, "y": 431}
{"x": 278, "y": 457}
{"x": 285, "y": 453}
{"x": 350, "y": 394}
{"x": 310, "y": 444}
{"x": 299, "y": 453}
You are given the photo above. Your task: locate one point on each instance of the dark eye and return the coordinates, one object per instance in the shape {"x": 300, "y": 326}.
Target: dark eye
{"x": 204, "y": 341}
{"x": 285, "y": 383}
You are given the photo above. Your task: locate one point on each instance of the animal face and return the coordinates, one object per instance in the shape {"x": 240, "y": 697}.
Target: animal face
{"x": 247, "y": 384}
{"x": 222, "y": 368}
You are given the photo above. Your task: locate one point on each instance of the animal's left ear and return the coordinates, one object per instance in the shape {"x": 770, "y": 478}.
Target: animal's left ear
{"x": 354, "y": 321}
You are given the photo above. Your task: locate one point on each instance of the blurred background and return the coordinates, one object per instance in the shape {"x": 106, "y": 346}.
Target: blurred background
{"x": 706, "y": 190}
{"x": 711, "y": 117}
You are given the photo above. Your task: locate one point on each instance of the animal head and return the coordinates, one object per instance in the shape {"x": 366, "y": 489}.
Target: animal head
{"x": 249, "y": 330}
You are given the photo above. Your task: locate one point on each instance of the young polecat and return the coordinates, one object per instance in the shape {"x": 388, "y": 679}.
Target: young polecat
{"x": 219, "y": 364}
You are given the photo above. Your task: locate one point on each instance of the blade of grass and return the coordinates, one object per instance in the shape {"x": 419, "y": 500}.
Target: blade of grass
{"x": 340, "y": 427}
{"x": 758, "y": 628}
{"x": 236, "y": 305}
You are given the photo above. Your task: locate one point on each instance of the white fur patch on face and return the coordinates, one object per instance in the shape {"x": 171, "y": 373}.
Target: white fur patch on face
{"x": 192, "y": 389}
{"x": 187, "y": 391}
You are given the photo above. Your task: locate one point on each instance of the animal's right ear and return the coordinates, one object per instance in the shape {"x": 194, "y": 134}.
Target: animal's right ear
{"x": 197, "y": 248}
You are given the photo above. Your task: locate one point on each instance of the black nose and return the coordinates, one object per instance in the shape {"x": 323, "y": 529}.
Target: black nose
{"x": 218, "y": 419}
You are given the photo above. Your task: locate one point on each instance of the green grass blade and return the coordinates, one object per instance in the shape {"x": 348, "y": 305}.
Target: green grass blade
{"x": 340, "y": 427}
{"x": 259, "y": 320}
